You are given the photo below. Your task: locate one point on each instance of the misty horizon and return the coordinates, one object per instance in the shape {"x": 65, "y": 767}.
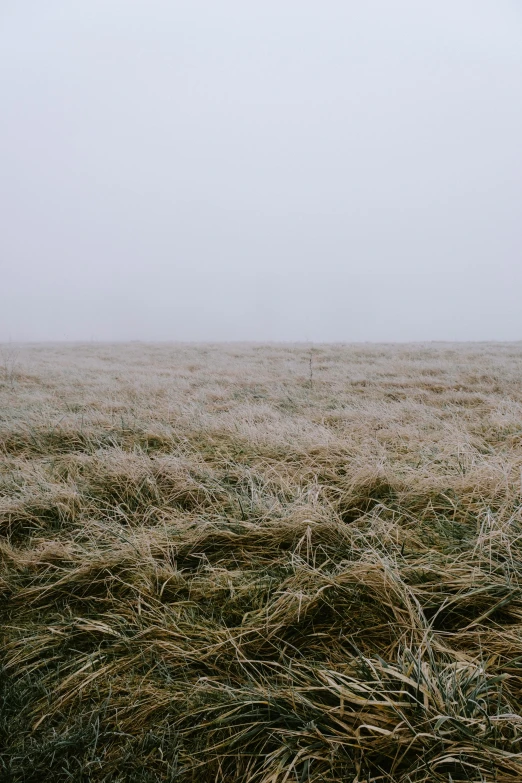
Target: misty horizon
{"x": 192, "y": 172}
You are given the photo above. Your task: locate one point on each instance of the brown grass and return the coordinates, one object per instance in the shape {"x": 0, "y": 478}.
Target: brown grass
{"x": 217, "y": 565}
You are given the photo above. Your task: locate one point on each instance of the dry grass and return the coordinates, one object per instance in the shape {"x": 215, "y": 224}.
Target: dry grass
{"x": 218, "y": 566}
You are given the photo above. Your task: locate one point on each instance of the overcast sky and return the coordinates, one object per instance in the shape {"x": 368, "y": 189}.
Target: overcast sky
{"x": 243, "y": 170}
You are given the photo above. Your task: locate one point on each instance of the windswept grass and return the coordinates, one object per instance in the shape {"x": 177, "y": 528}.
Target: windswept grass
{"x": 261, "y": 563}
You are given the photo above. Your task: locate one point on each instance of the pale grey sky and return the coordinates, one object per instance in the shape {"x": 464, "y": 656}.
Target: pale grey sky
{"x": 246, "y": 170}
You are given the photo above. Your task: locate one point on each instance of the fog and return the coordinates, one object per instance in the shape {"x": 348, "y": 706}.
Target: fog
{"x": 278, "y": 170}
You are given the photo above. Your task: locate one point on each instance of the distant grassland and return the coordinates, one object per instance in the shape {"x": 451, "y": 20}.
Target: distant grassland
{"x": 261, "y": 563}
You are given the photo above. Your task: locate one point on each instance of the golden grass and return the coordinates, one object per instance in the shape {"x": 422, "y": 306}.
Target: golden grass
{"x": 218, "y": 566}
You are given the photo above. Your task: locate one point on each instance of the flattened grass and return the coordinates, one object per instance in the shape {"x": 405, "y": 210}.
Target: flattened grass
{"x": 213, "y": 570}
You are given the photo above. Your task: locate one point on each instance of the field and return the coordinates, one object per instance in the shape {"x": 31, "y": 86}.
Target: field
{"x": 274, "y": 564}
